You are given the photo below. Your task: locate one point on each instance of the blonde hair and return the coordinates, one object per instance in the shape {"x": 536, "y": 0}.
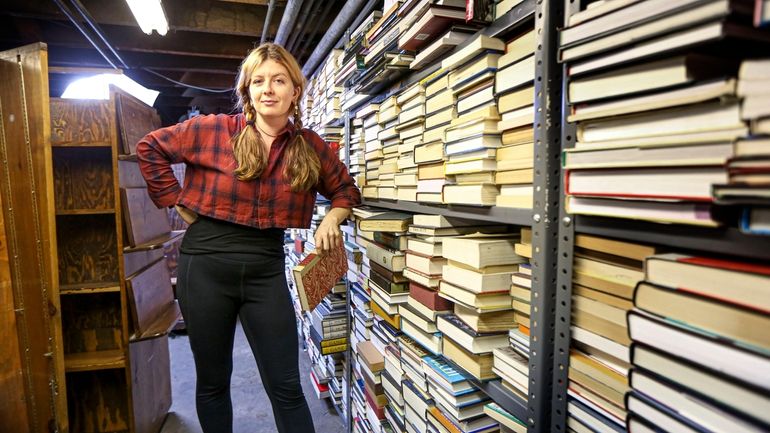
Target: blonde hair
{"x": 301, "y": 163}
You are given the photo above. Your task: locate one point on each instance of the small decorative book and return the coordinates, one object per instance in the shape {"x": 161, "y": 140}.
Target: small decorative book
{"x": 315, "y": 276}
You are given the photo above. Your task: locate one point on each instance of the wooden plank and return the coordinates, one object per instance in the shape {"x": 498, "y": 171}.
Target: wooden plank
{"x": 83, "y": 178}
{"x": 88, "y": 249}
{"x": 27, "y": 192}
{"x": 137, "y": 260}
{"x": 13, "y": 410}
{"x": 135, "y": 120}
{"x": 92, "y": 361}
{"x": 98, "y": 401}
{"x": 150, "y": 296}
{"x": 81, "y": 121}
{"x": 150, "y": 370}
{"x": 144, "y": 221}
{"x": 130, "y": 175}
{"x": 92, "y": 326}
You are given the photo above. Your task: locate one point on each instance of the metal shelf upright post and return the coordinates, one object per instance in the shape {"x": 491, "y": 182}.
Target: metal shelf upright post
{"x": 545, "y": 214}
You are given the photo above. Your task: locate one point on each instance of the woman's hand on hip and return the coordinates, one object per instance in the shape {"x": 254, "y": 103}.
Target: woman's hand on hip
{"x": 187, "y": 215}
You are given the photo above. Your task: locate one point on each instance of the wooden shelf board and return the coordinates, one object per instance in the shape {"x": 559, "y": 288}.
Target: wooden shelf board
{"x": 88, "y": 288}
{"x": 85, "y": 211}
{"x": 496, "y": 214}
{"x": 165, "y": 323}
{"x": 158, "y": 242}
{"x": 92, "y": 361}
{"x": 83, "y": 144}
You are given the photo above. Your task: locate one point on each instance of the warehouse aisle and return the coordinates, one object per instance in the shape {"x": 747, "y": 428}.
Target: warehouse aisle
{"x": 252, "y": 412}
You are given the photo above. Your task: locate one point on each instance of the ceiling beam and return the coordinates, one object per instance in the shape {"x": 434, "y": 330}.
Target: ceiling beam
{"x": 186, "y": 15}
{"x": 63, "y": 56}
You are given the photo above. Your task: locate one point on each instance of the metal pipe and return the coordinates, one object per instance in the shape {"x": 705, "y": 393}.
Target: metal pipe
{"x": 316, "y": 24}
{"x": 299, "y": 25}
{"x": 287, "y": 21}
{"x": 91, "y": 22}
{"x": 268, "y": 17}
{"x": 69, "y": 15}
{"x": 341, "y": 23}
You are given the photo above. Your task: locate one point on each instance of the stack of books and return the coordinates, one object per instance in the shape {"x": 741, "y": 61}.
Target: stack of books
{"x": 389, "y": 139}
{"x": 521, "y": 286}
{"x": 429, "y": 153}
{"x": 654, "y": 99}
{"x": 411, "y": 124}
{"x": 749, "y": 168}
{"x": 472, "y": 138}
{"x": 372, "y": 150}
{"x": 700, "y": 354}
{"x": 381, "y": 55}
{"x": 325, "y": 109}
{"x": 514, "y": 89}
{"x": 605, "y": 272}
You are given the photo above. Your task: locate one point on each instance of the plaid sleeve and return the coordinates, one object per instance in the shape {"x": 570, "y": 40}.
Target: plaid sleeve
{"x": 156, "y": 152}
{"x": 335, "y": 182}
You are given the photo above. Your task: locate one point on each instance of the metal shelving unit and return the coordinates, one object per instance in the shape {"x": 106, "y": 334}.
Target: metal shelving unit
{"x": 536, "y": 411}
{"x": 723, "y": 240}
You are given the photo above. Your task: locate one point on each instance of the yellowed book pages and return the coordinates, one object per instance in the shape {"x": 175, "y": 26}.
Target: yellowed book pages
{"x": 406, "y": 193}
{"x": 521, "y": 135}
{"x": 430, "y": 171}
{"x": 516, "y": 99}
{"x": 479, "y": 366}
{"x": 629, "y": 250}
{"x": 599, "y": 309}
{"x": 471, "y": 166}
{"x": 439, "y": 101}
{"x": 600, "y": 326}
{"x": 437, "y": 86}
{"x": 515, "y": 75}
{"x": 444, "y": 116}
{"x": 618, "y": 411}
{"x": 488, "y": 112}
{"x": 471, "y": 69}
{"x": 596, "y": 386}
{"x": 494, "y": 321}
{"x": 369, "y": 191}
{"x": 514, "y": 201}
{"x": 508, "y": 177}
{"x": 599, "y": 371}
{"x": 515, "y": 164}
{"x": 483, "y": 194}
{"x": 605, "y": 298}
{"x": 476, "y": 46}
{"x": 474, "y": 178}
{"x": 520, "y": 47}
{"x": 526, "y": 235}
{"x": 524, "y": 250}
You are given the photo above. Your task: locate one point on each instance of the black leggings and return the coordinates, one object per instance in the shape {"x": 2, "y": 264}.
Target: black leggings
{"x": 213, "y": 290}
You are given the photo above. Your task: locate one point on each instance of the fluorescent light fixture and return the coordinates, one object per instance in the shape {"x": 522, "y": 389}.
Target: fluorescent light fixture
{"x": 98, "y": 87}
{"x": 149, "y": 14}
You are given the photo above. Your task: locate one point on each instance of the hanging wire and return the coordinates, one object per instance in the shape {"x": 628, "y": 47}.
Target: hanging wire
{"x": 205, "y": 89}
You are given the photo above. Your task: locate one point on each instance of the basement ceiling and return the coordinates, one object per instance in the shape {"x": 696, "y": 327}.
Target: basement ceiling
{"x": 206, "y": 41}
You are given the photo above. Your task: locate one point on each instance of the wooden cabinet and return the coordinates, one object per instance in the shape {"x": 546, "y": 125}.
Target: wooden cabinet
{"x": 116, "y": 297}
{"x": 85, "y": 294}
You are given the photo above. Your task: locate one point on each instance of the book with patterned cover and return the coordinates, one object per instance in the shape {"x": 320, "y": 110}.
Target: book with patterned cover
{"x": 315, "y": 276}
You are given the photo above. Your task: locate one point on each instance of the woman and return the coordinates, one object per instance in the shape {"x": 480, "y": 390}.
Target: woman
{"x": 249, "y": 176}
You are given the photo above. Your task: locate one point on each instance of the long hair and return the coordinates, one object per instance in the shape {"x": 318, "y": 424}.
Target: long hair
{"x": 301, "y": 163}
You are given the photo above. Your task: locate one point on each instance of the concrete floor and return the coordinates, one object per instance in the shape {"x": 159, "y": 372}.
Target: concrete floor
{"x": 251, "y": 407}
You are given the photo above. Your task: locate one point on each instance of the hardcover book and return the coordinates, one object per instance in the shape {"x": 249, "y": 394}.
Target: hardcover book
{"x": 315, "y": 276}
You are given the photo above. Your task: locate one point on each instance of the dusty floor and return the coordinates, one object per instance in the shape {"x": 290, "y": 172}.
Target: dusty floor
{"x": 251, "y": 407}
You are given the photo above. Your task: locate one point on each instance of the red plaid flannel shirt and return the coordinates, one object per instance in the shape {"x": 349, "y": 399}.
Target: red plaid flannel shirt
{"x": 211, "y": 188}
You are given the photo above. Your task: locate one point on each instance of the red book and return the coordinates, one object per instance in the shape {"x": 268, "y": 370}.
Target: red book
{"x": 429, "y": 298}
{"x": 315, "y": 276}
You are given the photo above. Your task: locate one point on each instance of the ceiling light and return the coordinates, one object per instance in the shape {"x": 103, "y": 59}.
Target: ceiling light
{"x": 149, "y": 14}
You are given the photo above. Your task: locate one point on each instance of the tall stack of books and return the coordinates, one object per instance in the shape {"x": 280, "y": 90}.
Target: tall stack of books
{"x": 429, "y": 153}
{"x": 411, "y": 124}
{"x": 372, "y": 149}
{"x": 472, "y": 138}
{"x": 605, "y": 273}
{"x": 700, "y": 353}
{"x": 387, "y": 118}
{"x": 515, "y": 94}
{"x": 749, "y": 168}
{"x": 653, "y": 94}
{"x": 521, "y": 286}
{"x": 354, "y": 46}
{"x": 381, "y": 54}
{"x": 357, "y": 164}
